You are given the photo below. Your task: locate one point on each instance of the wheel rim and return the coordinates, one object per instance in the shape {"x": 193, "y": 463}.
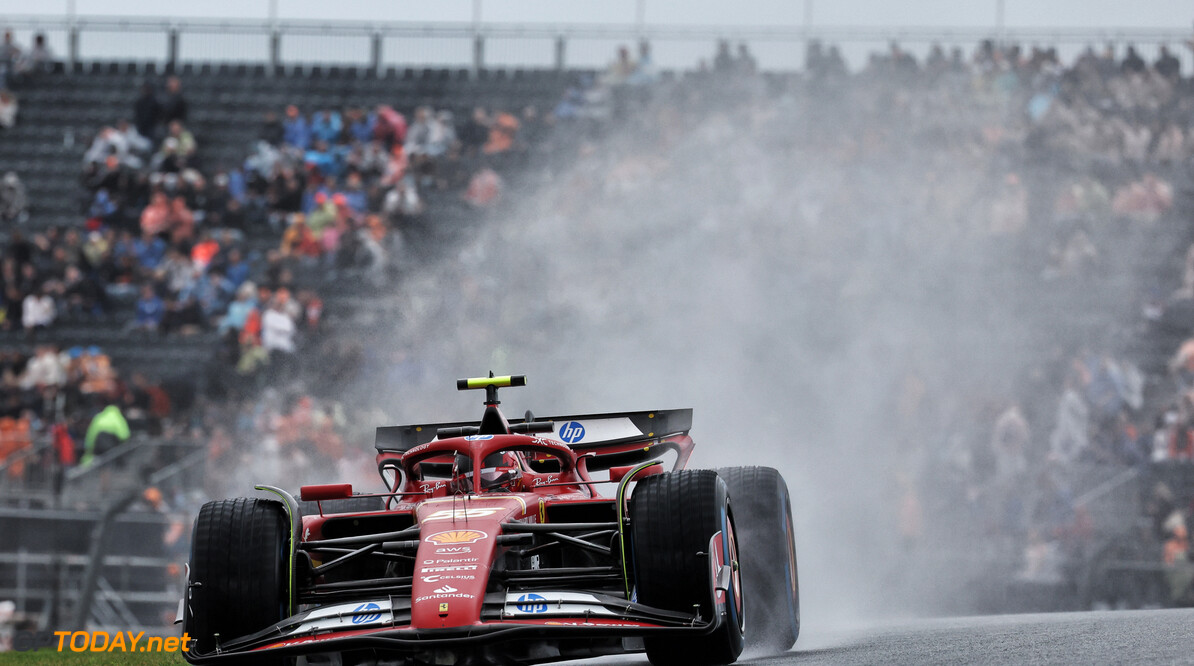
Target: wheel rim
{"x": 735, "y": 595}
{"x": 791, "y": 554}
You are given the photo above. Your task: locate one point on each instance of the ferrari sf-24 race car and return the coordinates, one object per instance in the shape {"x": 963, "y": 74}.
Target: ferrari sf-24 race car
{"x": 495, "y": 544}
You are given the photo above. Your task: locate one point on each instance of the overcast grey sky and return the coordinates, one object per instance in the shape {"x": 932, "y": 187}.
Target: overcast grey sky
{"x": 1094, "y": 15}
{"x": 1018, "y": 13}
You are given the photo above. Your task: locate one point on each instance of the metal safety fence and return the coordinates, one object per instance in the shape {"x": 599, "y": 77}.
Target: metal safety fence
{"x": 378, "y": 45}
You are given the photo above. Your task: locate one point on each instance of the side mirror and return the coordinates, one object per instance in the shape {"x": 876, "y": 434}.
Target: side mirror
{"x": 327, "y": 491}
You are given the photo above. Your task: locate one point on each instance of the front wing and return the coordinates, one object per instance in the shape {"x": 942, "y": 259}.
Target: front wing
{"x": 382, "y": 624}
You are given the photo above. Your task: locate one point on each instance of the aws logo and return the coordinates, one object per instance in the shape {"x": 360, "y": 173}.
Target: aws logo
{"x": 571, "y": 432}
{"x": 456, "y": 536}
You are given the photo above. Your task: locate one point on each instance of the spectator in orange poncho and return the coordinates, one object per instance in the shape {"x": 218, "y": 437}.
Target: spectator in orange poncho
{"x": 377, "y": 228}
{"x": 98, "y": 375}
{"x": 501, "y": 134}
{"x": 1177, "y": 545}
{"x": 396, "y": 167}
{"x": 484, "y": 189}
{"x": 251, "y": 333}
{"x": 181, "y": 221}
{"x": 204, "y": 251}
{"x": 298, "y": 240}
{"x": 155, "y": 219}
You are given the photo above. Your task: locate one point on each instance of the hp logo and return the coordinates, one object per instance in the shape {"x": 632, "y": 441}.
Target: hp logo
{"x": 532, "y": 603}
{"x": 572, "y": 432}
{"x": 358, "y": 618}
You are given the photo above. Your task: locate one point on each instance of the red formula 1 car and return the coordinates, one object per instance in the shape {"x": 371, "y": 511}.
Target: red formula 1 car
{"x": 503, "y": 541}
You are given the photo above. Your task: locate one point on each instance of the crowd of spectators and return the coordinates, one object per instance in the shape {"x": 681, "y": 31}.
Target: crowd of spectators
{"x": 19, "y": 66}
{"x": 57, "y": 393}
{"x": 1087, "y": 157}
{"x": 173, "y": 245}
{"x": 1013, "y": 148}
{"x": 1057, "y": 173}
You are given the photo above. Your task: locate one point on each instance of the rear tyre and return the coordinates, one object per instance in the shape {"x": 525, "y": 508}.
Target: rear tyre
{"x": 239, "y": 572}
{"x": 767, "y": 548}
{"x": 672, "y": 518}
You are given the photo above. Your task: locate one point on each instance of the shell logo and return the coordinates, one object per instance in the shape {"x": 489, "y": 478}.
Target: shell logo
{"x": 456, "y": 536}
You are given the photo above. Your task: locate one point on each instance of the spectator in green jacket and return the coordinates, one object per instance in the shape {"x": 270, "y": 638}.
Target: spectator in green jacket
{"x": 107, "y": 430}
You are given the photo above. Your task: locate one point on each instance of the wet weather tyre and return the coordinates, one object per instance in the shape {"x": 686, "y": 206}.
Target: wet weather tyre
{"x": 348, "y": 505}
{"x": 767, "y": 550}
{"x": 239, "y": 572}
{"x": 672, "y": 518}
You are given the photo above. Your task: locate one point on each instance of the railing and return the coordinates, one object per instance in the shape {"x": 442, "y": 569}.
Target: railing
{"x": 375, "y": 46}
{"x": 141, "y": 461}
{"x": 25, "y": 456}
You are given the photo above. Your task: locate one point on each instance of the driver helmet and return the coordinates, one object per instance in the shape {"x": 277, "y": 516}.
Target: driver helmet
{"x": 499, "y": 471}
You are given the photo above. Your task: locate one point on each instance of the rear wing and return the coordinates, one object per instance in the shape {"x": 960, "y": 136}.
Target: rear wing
{"x": 581, "y": 432}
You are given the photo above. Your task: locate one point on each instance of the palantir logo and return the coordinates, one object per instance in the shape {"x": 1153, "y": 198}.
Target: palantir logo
{"x": 572, "y": 432}
{"x": 532, "y": 603}
{"x": 361, "y": 614}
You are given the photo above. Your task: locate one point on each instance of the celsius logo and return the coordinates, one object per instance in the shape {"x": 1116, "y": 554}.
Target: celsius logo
{"x": 532, "y": 603}
{"x": 572, "y": 432}
{"x": 362, "y": 614}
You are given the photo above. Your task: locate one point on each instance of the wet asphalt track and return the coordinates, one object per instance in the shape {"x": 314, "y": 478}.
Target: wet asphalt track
{"x": 1112, "y": 637}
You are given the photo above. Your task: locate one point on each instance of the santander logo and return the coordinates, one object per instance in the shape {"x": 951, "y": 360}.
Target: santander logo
{"x": 447, "y": 589}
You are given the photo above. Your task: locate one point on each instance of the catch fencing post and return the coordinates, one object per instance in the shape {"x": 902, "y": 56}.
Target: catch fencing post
{"x": 478, "y": 53}
{"x": 72, "y": 47}
{"x": 561, "y": 45}
{"x": 172, "y": 50}
{"x": 375, "y": 54}
{"x": 275, "y": 50}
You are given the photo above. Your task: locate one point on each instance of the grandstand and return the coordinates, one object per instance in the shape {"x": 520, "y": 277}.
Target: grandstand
{"x": 63, "y": 108}
{"x": 61, "y": 111}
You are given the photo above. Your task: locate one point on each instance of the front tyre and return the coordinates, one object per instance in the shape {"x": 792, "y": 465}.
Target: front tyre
{"x": 768, "y": 551}
{"x": 240, "y": 576}
{"x": 672, "y": 518}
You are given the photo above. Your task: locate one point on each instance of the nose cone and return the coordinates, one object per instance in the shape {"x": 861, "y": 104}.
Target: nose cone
{"x": 458, "y": 542}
